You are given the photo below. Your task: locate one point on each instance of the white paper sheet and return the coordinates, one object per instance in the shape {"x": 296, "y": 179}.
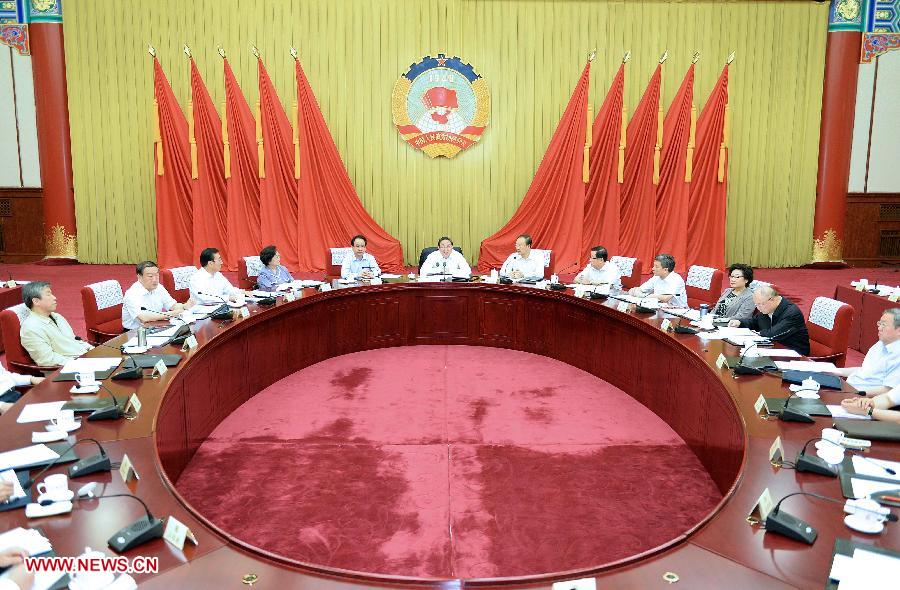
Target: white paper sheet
{"x": 40, "y": 412}
{"x": 203, "y": 309}
{"x": 28, "y": 539}
{"x": 772, "y": 352}
{"x": 813, "y": 366}
{"x": 863, "y": 488}
{"x": 90, "y": 364}
{"x": 870, "y": 467}
{"x": 838, "y": 411}
{"x": 870, "y": 571}
{"x": 26, "y": 456}
{"x": 387, "y": 275}
{"x": 9, "y": 476}
{"x": 151, "y": 341}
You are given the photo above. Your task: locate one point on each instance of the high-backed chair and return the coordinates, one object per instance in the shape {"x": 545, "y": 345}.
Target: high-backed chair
{"x": 631, "y": 270}
{"x": 337, "y": 255}
{"x": 17, "y": 358}
{"x": 102, "y": 304}
{"x": 829, "y": 330}
{"x": 248, "y": 271}
{"x": 429, "y": 250}
{"x": 548, "y": 260}
{"x": 177, "y": 281}
{"x": 703, "y": 285}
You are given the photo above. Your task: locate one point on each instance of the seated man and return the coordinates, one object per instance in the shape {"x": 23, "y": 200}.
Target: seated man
{"x": 522, "y": 265}
{"x": 880, "y": 370}
{"x": 8, "y": 383}
{"x": 360, "y": 264}
{"x": 778, "y": 319}
{"x": 45, "y": 334}
{"x": 877, "y": 407}
{"x": 599, "y": 271}
{"x": 209, "y": 285}
{"x": 148, "y": 301}
{"x": 665, "y": 285}
{"x": 446, "y": 261}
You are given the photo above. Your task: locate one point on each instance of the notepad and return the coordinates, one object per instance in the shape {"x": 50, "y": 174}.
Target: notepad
{"x": 814, "y": 366}
{"x": 863, "y": 488}
{"x": 96, "y": 364}
{"x": 35, "y": 454}
{"x": 870, "y": 467}
{"x": 40, "y": 412}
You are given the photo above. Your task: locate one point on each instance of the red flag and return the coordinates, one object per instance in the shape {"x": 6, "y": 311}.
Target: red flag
{"x": 672, "y": 194}
{"x": 601, "y": 197}
{"x": 278, "y": 195}
{"x": 638, "y": 206}
{"x": 553, "y": 208}
{"x": 330, "y": 210}
{"x": 706, "y": 235}
{"x": 174, "y": 237}
{"x": 241, "y": 173}
{"x": 209, "y": 198}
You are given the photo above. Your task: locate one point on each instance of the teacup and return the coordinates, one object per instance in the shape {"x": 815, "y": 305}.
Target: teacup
{"x": 65, "y": 420}
{"x": 54, "y": 486}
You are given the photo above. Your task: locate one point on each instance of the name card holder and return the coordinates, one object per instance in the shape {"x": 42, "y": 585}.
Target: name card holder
{"x": 10, "y": 284}
{"x": 581, "y": 584}
{"x": 325, "y": 287}
{"x": 127, "y": 470}
{"x": 190, "y": 343}
{"x": 776, "y": 453}
{"x": 159, "y": 369}
{"x": 245, "y": 312}
{"x": 761, "y": 407}
{"x": 762, "y": 508}
{"x": 895, "y": 295}
{"x": 665, "y": 326}
{"x": 289, "y": 296}
{"x": 177, "y": 532}
{"x": 622, "y": 306}
{"x": 721, "y": 361}
{"x": 134, "y": 403}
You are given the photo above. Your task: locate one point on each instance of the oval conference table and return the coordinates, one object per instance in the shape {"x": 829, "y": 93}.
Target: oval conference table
{"x": 674, "y": 375}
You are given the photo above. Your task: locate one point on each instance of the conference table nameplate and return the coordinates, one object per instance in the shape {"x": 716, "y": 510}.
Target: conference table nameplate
{"x": 674, "y": 375}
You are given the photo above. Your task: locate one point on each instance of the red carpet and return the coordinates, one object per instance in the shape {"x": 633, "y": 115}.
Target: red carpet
{"x": 448, "y": 461}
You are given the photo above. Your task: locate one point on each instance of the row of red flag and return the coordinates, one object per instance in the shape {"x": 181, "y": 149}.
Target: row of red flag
{"x": 262, "y": 177}
{"x": 652, "y": 185}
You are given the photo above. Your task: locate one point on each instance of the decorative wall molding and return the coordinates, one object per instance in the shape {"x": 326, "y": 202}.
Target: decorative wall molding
{"x": 16, "y": 36}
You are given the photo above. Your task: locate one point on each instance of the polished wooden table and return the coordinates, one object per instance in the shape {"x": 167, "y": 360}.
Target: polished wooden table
{"x": 672, "y": 374}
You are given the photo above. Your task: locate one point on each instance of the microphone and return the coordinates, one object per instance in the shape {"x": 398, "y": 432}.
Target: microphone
{"x": 133, "y": 372}
{"x": 792, "y": 415}
{"x": 782, "y": 523}
{"x": 182, "y": 333}
{"x": 568, "y": 268}
{"x": 445, "y": 271}
{"x": 562, "y": 286}
{"x": 219, "y": 313}
{"x": 742, "y": 369}
{"x": 112, "y": 412}
{"x": 88, "y": 465}
{"x": 812, "y": 464}
{"x": 143, "y": 530}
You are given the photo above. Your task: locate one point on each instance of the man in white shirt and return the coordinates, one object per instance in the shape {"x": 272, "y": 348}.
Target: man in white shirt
{"x": 148, "y": 301}
{"x": 522, "y": 265}
{"x": 446, "y": 261}
{"x": 209, "y": 285}
{"x": 880, "y": 370}
{"x": 8, "y": 382}
{"x": 665, "y": 285}
{"x": 360, "y": 264}
{"x": 600, "y": 271}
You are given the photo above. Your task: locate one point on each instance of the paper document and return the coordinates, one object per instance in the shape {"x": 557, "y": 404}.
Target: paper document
{"x": 151, "y": 341}
{"x": 863, "y": 488}
{"x": 387, "y": 275}
{"x": 772, "y": 352}
{"x": 870, "y": 467}
{"x": 264, "y": 294}
{"x": 39, "y": 412}
{"x": 204, "y": 309}
{"x": 346, "y": 281}
{"x": 28, "y": 539}
{"x": 9, "y": 476}
{"x": 813, "y": 366}
{"x": 865, "y": 570}
{"x": 22, "y": 282}
{"x": 305, "y": 284}
{"x": 838, "y": 411}
{"x": 96, "y": 364}
{"x": 26, "y": 456}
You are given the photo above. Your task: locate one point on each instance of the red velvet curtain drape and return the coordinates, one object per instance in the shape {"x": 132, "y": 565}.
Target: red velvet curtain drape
{"x": 210, "y": 201}
{"x": 330, "y": 212}
{"x": 553, "y": 208}
{"x": 601, "y": 197}
{"x": 241, "y": 173}
{"x": 278, "y": 194}
{"x": 638, "y": 196}
{"x": 706, "y": 235}
{"x": 673, "y": 191}
{"x": 174, "y": 236}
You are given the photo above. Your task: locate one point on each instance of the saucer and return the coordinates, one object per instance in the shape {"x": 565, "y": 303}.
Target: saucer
{"x": 135, "y": 349}
{"x": 62, "y": 497}
{"x": 863, "y": 524}
{"x": 808, "y": 395}
{"x": 85, "y": 389}
{"x": 63, "y": 427}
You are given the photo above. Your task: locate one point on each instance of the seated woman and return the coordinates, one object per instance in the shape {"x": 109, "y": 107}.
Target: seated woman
{"x": 737, "y": 301}
{"x": 877, "y": 407}
{"x": 272, "y": 274}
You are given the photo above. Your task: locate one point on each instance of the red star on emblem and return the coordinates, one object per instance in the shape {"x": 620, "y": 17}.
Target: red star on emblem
{"x": 441, "y": 61}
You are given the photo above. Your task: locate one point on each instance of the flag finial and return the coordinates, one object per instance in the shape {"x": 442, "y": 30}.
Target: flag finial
{"x": 592, "y": 55}
{"x": 294, "y": 54}
{"x": 254, "y": 50}
{"x": 187, "y": 50}
{"x": 696, "y": 57}
{"x": 730, "y": 58}
{"x": 221, "y": 51}
{"x": 627, "y": 57}
{"x": 664, "y": 57}
{"x": 151, "y": 50}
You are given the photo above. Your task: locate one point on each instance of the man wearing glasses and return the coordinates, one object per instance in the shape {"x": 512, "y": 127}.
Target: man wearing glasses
{"x": 778, "y": 319}
{"x": 880, "y": 371}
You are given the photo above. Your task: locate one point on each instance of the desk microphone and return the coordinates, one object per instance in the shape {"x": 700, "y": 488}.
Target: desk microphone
{"x": 180, "y": 334}
{"x": 792, "y": 415}
{"x": 567, "y": 269}
{"x": 782, "y": 523}
{"x": 219, "y": 313}
{"x": 812, "y": 464}
{"x": 133, "y": 372}
{"x": 742, "y": 369}
{"x": 111, "y": 412}
{"x": 146, "y": 528}
{"x": 444, "y": 271}
{"x": 88, "y": 465}
{"x": 515, "y": 256}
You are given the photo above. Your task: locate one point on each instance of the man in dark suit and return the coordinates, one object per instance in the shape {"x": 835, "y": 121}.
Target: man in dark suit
{"x": 778, "y": 319}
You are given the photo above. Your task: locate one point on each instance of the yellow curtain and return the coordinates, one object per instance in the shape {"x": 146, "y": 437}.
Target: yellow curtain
{"x": 530, "y": 53}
